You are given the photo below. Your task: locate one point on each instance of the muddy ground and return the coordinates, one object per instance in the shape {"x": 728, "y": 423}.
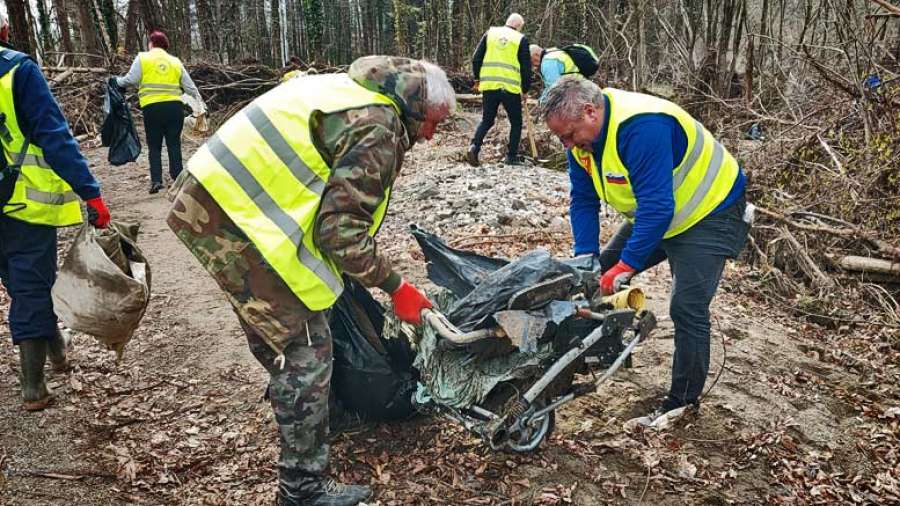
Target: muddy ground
{"x": 181, "y": 420}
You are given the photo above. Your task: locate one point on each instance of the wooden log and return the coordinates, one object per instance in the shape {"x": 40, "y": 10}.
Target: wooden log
{"x": 99, "y": 70}
{"x": 868, "y": 264}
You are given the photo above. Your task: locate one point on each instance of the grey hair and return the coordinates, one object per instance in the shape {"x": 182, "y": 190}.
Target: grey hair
{"x": 440, "y": 92}
{"x": 515, "y": 21}
{"x": 535, "y": 49}
{"x": 567, "y": 97}
{"x": 4, "y": 20}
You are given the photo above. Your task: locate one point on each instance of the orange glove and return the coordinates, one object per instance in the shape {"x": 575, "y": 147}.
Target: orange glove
{"x": 98, "y": 214}
{"x": 613, "y": 279}
{"x": 409, "y": 303}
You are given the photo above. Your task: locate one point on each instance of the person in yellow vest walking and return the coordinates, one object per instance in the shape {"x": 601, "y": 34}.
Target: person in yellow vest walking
{"x": 42, "y": 176}
{"x": 283, "y": 202}
{"x": 501, "y": 64}
{"x": 161, "y": 79}
{"x": 682, "y": 195}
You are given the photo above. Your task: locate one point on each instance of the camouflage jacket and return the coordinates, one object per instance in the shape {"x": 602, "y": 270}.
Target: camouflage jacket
{"x": 364, "y": 148}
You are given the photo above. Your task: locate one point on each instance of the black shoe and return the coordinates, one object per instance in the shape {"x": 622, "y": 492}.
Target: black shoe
{"x": 318, "y": 491}
{"x": 156, "y": 187}
{"x": 472, "y": 155}
{"x": 514, "y": 160}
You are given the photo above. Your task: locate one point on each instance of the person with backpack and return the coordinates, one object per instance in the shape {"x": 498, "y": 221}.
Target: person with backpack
{"x": 502, "y": 68}
{"x": 553, "y": 63}
{"x": 43, "y": 175}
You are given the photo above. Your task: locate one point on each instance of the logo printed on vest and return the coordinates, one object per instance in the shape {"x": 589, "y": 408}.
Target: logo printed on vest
{"x": 163, "y": 67}
{"x": 615, "y": 178}
{"x": 586, "y": 163}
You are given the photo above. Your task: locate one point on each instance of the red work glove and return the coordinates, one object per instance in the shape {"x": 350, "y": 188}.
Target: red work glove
{"x": 98, "y": 214}
{"x": 409, "y": 303}
{"x": 613, "y": 279}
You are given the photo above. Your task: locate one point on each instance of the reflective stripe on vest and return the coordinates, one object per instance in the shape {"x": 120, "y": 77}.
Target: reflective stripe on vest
{"x": 264, "y": 171}
{"x": 700, "y": 182}
{"x": 563, "y": 57}
{"x": 160, "y": 77}
{"x": 39, "y": 195}
{"x": 500, "y": 68}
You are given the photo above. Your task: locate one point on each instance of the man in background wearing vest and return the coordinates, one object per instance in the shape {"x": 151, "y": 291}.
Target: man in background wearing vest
{"x": 285, "y": 199}
{"x": 682, "y": 195}
{"x": 44, "y": 176}
{"x": 502, "y": 66}
{"x": 552, "y": 64}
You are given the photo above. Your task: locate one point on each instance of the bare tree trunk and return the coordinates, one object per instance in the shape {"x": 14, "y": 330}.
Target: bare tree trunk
{"x": 151, "y": 15}
{"x": 276, "y": 40}
{"x": 206, "y": 20}
{"x": 44, "y": 21}
{"x": 89, "y": 33}
{"x": 62, "y": 20}
{"x": 21, "y": 33}
{"x": 132, "y": 39}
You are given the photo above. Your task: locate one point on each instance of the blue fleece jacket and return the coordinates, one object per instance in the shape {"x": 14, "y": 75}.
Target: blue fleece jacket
{"x": 650, "y": 145}
{"x": 551, "y": 71}
{"x": 38, "y": 113}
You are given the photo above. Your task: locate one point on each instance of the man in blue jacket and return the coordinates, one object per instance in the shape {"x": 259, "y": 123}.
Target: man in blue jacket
{"x": 43, "y": 176}
{"x": 681, "y": 193}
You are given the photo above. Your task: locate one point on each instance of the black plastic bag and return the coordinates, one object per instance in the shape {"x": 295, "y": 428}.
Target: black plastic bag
{"x": 456, "y": 270}
{"x": 372, "y": 376}
{"x": 118, "y": 132}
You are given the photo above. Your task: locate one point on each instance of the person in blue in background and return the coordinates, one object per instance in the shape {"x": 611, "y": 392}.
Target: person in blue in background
{"x": 44, "y": 175}
{"x": 552, "y": 64}
{"x": 682, "y": 195}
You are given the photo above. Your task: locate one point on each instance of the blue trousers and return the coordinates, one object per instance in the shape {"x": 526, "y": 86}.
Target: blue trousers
{"x": 697, "y": 257}
{"x": 28, "y": 271}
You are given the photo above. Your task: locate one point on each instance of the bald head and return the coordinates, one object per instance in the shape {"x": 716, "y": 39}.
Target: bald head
{"x": 515, "y": 21}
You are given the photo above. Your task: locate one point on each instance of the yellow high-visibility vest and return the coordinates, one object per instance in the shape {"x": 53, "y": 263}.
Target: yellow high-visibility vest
{"x": 264, "y": 171}
{"x": 500, "y": 68}
{"x": 39, "y": 196}
{"x": 160, "y": 77}
{"x": 569, "y": 67}
{"x": 701, "y": 181}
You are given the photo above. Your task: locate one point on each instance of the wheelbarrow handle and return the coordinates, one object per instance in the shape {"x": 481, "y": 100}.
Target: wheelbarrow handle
{"x": 450, "y": 332}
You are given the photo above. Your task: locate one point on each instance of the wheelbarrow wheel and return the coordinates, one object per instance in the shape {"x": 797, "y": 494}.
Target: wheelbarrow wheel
{"x": 529, "y": 438}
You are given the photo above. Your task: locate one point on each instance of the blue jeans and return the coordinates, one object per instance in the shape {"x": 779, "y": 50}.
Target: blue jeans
{"x": 697, "y": 257}
{"x": 28, "y": 271}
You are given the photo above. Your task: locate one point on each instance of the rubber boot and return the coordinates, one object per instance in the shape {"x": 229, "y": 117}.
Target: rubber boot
{"x": 32, "y": 356}
{"x": 57, "y": 349}
{"x": 472, "y": 155}
{"x": 322, "y": 491}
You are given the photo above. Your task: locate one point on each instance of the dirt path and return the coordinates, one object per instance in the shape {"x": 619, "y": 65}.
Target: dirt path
{"x": 181, "y": 419}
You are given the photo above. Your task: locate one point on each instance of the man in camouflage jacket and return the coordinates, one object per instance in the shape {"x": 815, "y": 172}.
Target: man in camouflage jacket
{"x": 364, "y": 148}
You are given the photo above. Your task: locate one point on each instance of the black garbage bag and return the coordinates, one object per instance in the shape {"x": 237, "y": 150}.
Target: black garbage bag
{"x": 484, "y": 285}
{"x": 118, "y": 132}
{"x": 372, "y": 377}
{"x": 456, "y": 270}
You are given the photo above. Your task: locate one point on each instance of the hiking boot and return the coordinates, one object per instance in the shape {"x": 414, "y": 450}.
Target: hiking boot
{"x": 660, "y": 418}
{"x": 472, "y": 155}
{"x": 32, "y": 356}
{"x": 514, "y": 160}
{"x": 320, "y": 491}
{"x": 57, "y": 350}
{"x": 155, "y": 187}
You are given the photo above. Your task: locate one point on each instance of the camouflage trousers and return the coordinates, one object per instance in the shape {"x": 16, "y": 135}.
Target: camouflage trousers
{"x": 290, "y": 341}
{"x": 298, "y": 392}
